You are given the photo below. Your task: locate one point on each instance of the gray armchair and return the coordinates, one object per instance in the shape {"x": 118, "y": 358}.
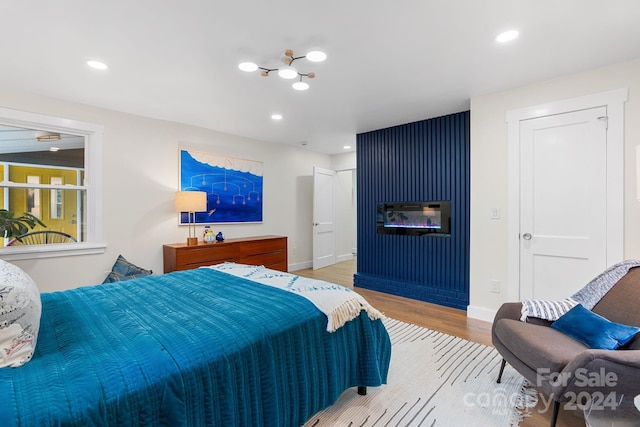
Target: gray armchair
{"x": 564, "y": 369}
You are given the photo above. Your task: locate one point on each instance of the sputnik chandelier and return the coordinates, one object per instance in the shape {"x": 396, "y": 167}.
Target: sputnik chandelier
{"x": 288, "y": 71}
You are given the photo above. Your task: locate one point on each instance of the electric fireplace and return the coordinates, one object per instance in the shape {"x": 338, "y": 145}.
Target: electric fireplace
{"x": 414, "y": 218}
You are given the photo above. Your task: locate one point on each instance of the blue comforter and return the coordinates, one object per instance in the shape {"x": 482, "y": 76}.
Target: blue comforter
{"x": 190, "y": 348}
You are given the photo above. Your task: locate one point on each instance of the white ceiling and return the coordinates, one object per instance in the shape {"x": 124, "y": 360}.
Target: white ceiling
{"x": 389, "y": 62}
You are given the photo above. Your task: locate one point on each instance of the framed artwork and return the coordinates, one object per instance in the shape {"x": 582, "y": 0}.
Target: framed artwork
{"x": 233, "y": 187}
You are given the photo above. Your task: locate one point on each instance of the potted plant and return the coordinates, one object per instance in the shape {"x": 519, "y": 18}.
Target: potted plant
{"x": 14, "y": 226}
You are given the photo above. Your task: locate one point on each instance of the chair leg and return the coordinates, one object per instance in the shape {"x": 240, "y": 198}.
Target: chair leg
{"x": 554, "y": 415}
{"x": 502, "y": 365}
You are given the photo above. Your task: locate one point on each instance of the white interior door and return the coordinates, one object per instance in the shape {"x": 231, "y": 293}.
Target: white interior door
{"x": 324, "y": 217}
{"x": 563, "y": 202}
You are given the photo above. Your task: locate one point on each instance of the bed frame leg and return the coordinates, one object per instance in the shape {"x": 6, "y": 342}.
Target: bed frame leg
{"x": 362, "y": 390}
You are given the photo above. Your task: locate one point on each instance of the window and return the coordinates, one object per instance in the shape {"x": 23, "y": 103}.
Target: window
{"x": 51, "y": 168}
{"x": 55, "y": 197}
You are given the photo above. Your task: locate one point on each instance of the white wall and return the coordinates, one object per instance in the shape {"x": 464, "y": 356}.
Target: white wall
{"x": 346, "y": 218}
{"x": 344, "y": 161}
{"x": 140, "y": 164}
{"x": 489, "y": 170}
{"x": 345, "y": 215}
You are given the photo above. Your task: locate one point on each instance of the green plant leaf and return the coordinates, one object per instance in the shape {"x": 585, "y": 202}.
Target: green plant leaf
{"x": 12, "y": 226}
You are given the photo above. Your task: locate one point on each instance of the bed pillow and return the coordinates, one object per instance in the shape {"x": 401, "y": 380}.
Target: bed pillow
{"x": 125, "y": 270}
{"x": 593, "y": 330}
{"x": 20, "y": 310}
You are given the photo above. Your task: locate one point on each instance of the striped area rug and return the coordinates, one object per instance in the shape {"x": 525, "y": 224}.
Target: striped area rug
{"x": 435, "y": 379}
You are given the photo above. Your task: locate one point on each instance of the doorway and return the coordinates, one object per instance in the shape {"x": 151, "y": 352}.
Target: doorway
{"x": 565, "y": 194}
{"x": 335, "y": 219}
{"x": 324, "y": 217}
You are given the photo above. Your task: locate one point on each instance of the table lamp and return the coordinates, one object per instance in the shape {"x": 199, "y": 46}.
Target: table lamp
{"x": 191, "y": 202}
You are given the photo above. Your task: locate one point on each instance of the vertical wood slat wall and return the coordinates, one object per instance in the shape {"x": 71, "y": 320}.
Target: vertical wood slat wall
{"x": 421, "y": 161}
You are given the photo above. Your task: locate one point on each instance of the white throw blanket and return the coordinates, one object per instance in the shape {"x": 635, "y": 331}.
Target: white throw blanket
{"x": 338, "y": 303}
{"x": 587, "y": 296}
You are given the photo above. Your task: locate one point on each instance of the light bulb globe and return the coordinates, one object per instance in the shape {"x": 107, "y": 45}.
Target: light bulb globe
{"x": 248, "y": 66}
{"x": 288, "y": 72}
{"x": 300, "y": 86}
{"x": 316, "y": 56}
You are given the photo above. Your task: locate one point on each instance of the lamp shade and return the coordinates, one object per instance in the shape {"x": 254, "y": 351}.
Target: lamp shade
{"x": 191, "y": 201}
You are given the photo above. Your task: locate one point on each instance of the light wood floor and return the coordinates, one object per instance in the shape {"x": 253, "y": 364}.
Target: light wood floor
{"x": 444, "y": 319}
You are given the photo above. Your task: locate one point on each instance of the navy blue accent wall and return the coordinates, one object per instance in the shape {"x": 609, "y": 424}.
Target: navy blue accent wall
{"x": 422, "y": 161}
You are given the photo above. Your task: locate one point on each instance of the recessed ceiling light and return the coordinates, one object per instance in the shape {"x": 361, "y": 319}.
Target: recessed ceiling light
{"x": 276, "y": 116}
{"x": 54, "y": 148}
{"x": 97, "y": 65}
{"x": 507, "y": 36}
{"x": 347, "y": 147}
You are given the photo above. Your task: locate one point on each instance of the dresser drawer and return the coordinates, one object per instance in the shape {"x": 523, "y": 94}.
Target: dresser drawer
{"x": 260, "y": 247}
{"x": 207, "y": 255}
{"x": 267, "y": 259}
{"x": 270, "y": 251}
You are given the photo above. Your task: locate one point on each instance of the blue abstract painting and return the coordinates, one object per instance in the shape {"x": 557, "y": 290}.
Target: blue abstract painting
{"x": 233, "y": 187}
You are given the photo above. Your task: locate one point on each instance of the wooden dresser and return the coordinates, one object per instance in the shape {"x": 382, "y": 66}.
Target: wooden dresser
{"x": 270, "y": 251}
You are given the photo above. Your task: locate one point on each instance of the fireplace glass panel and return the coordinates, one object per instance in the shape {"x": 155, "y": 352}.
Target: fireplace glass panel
{"x": 414, "y": 218}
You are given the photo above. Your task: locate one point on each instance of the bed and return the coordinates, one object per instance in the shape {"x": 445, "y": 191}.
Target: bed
{"x": 191, "y": 348}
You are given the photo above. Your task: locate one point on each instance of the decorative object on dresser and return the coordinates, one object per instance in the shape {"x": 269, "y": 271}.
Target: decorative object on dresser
{"x": 191, "y": 202}
{"x": 269, "y": 251}
{"x": 208, "y": 236}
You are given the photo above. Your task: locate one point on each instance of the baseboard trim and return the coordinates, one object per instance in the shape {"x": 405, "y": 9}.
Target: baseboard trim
{"x": 345, "y": 257}
{"x": 309, "y": 264}
{"x": 481, "y": 313}
{"x": 300, "y": 265}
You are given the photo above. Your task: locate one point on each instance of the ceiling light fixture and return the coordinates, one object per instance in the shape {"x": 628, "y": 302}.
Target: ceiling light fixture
{"x": 48, "y": 136}
{"x": 288, "y": 71}
{"x": 97, "y": 65}
{"x": 276, "y": 116}
{"x": 507, "y": 36}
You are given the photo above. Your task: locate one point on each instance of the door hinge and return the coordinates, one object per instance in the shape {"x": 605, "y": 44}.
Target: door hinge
{"x": 604, "y": 119}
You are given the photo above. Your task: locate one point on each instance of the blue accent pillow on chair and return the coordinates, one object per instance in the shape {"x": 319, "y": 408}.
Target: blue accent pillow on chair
{"x": 125, "y": 270}
{"x": 593, "y": 330}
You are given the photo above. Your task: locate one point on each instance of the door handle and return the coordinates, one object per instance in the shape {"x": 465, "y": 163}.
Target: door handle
{"x": 527, "y": 236}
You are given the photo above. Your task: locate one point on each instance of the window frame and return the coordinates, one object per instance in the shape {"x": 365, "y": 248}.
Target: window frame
{"x": 92, "y": 134}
